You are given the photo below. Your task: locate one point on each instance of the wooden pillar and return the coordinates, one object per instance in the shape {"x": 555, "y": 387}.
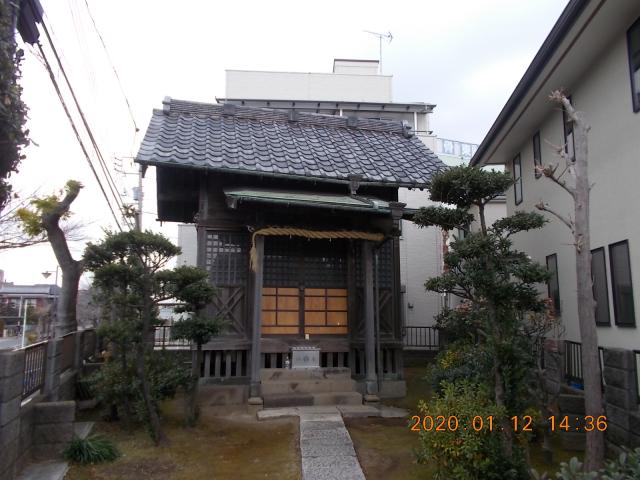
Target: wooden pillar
{"x": 257, "y": 313}
{"x": 369, "y": 323}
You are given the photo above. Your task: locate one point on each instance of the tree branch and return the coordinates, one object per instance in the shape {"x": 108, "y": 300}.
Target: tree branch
{"x": 545, "y": 208}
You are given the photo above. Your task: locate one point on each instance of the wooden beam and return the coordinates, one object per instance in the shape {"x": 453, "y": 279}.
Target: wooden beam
{"x": 257, "y": 314}
{"x": 369, "y": 334}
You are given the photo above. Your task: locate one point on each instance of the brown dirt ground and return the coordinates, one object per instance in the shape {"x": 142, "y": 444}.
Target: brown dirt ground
{"x": 385, "y": 448}
{"x": 226, "y": 444}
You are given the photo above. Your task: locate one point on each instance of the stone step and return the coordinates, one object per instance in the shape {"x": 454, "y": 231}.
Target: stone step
{"x": 279, "y": 374}
{"x": 308, "y": 386}
{"x": 308, "y": 399}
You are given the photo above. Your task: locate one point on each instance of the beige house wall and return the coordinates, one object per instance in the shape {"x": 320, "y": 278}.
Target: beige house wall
{"x": 603, "y": 94}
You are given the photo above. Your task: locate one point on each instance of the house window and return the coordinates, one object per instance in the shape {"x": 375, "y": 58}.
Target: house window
{"x": 569, "y": 142}
{"x": 633, "y": 43}
{"x": 517, "y": 177}
{"x": 553, "y": 285}
{"x": 537, "y": 155}
{"x": 621, "y": 285}
{"x": 600, "y": 288}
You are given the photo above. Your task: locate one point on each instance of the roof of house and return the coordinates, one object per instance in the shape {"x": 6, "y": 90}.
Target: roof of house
{"x": 11, "y": 290}
{"x": 269, "y": 142}
{"x": 563, "y": 25}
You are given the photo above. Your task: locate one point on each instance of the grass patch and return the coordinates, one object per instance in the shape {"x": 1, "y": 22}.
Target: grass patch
{"x": 417, "y": 389}
{"x": 385, "y": 449}
{"x": 226, "y": 443}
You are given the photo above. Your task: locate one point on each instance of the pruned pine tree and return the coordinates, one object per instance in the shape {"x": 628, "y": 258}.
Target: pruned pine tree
{"x": 497, "y": 282}
{"x": 129, "y": 270}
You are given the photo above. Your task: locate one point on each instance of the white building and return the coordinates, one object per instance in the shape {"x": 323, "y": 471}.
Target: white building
{"x": 593, "y": 53}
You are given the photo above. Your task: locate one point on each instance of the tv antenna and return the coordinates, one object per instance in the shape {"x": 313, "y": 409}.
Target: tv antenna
{"x": 380, "y": 36}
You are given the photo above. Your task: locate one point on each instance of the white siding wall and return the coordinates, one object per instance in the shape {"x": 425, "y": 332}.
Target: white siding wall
{"x": 188, "y": 242}
{"x": 420, "y": 259}
{"x": 614, "y": 169}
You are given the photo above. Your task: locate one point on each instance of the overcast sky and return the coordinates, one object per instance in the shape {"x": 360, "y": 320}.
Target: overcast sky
{"x": 466, "y": 56}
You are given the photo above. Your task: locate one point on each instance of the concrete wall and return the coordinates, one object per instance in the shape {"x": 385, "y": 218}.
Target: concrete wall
{"x": 40, "y": 426}
{"x": 603, "y": 94}
{"x": 620, "y": 382}
{"x": 356, "y": 67}
{"x": 308, "y": 86}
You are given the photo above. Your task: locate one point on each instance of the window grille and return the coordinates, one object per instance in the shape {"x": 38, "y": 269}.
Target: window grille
{"x": 227, "y": 258}
{"x": 385, "y": 265}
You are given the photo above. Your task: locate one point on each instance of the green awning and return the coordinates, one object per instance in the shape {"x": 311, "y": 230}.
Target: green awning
{"x": 310, "y": 199}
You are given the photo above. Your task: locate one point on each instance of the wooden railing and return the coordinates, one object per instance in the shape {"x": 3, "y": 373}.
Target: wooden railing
{"x": 421, "y": 337}
{"x": 35, "y": 362}
{"x": 225, "y": 364}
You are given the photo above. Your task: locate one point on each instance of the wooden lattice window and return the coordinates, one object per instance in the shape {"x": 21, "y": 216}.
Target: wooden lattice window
{"x": 280, "y": 310}
{"x": 385, "y": 265}
{"x": 226, "y": 257}
{"x": 325, "y": 310}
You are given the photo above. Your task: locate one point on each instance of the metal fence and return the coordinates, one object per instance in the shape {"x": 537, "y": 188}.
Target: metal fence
{"x": 573, "y": 363}
{"x": 163, "y": 339}
{"x": 35, "y": 360}
{"x": 421, "y": 337}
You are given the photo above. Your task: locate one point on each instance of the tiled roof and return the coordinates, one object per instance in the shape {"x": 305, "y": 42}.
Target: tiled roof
{"x": 275, "y": 142}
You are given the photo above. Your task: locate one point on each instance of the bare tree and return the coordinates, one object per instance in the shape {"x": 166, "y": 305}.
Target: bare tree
{"x": 44, "y": 219}
{"x": 12, "y": 234}
{"x": 578, "y": 189}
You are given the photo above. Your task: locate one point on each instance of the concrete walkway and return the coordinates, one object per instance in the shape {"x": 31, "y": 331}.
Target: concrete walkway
{"x": 326, "y": 448}
{"x": 325, "y": 445}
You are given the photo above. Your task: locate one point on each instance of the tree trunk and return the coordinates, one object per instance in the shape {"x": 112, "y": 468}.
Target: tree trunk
{"x": 71, "y": 269}
{"x": 594, "y": 454}
{"x": 147, "y": 313}
{"x": 193, "y": 399}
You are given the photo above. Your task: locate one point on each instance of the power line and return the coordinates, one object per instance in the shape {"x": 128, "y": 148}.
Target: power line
{"x": 77, "y": 134}
{"x": 113, "y": 67}
{"x": 101, "y": 161}
{"x": 110, "y": 182}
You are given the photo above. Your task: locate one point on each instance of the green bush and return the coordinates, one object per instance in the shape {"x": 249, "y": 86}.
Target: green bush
{"x": 460, "y": 361}
{"x": 466, "y": 454}
{"x": 93, "y": 449}
{"x": 116, "y": 384}
{"x": 625, "y": 467}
